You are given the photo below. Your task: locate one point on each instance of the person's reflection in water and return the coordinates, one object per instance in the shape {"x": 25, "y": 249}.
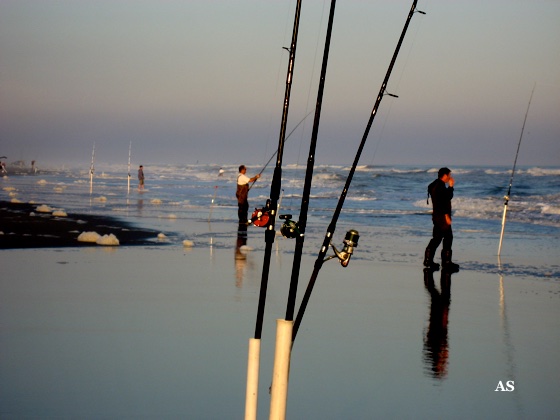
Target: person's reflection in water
{"x": 436, "y": 346}
{"x": 240, "y": 257}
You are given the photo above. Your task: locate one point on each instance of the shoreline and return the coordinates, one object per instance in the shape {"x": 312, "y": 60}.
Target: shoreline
{"x": 22, "y": 226}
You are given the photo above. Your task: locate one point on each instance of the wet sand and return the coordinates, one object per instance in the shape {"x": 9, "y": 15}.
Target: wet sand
{"x": 22, "y": 226}
{"x": 162, "y": 332}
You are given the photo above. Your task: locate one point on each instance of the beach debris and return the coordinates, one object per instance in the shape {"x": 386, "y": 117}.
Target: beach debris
{"x": 156, "y": 201}
{"x": 32, "y": 214}
{"x": 171, "y": 216}
{"x": 59, "y": 213}
{"x": 9, "y": 188}
{"x": 42, "y": 182}
{"x": 100, "y": 199}
{"x": 15, "y": 200}
{"x": 161, "y": 236}
{"x": 89, "y": 237}
{"x": 43, "y": 208}
{"x": 188, "y": 244}
{"x": 59, "y": 189}
{"x": 108, "y": 240}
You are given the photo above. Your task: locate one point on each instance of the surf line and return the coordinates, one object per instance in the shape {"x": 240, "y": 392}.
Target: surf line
{"x": 352, "y": 236}
{"x": 506, "y": 197}
{"x": 251, "y": 395}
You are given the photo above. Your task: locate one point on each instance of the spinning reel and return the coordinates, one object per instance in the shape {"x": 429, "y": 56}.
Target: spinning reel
{"x": 350, "y": 241}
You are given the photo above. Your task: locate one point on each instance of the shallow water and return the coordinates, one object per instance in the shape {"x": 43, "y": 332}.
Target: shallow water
{"x": 162, "y": 332}
{"x": 387, "y": 205}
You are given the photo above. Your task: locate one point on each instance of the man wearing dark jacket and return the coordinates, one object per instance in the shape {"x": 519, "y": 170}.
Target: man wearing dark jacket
{"x": 441, "y": 217}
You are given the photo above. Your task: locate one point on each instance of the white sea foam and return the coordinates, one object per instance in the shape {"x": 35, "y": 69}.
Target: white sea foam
{"x": 108, "y": 240}
{"x": 44, "y": 209}
{"x": 59, "y": 213}
{"x": 89, "y": 237}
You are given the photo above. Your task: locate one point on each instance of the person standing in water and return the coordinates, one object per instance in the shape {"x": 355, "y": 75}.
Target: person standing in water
{"x": 441, "y": 217}
{"x": 141, "y": 177}
{"x": 243, "y": 192}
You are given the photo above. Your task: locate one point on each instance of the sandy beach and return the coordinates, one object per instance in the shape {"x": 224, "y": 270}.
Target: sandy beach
{"x": 162, "y": 332}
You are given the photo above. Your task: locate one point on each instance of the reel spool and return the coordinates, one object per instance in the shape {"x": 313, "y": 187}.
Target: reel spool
{"x": 260, "y": 217}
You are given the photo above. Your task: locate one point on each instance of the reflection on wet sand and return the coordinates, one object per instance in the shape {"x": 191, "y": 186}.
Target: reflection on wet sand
{"x": 240, "y": 257}
{"x": 436, "y": 346}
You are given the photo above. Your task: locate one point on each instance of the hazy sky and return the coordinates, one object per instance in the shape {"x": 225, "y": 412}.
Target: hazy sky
{"x": 203, "y": 80}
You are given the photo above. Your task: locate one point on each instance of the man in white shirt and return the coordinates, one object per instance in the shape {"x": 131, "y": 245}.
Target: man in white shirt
{"x": 242, "y": 193}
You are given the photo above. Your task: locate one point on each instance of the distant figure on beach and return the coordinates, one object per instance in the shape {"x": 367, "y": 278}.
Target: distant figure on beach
{"x": 441, "y": 217}
{"x": 221, "y": 172}
{"x": 33, "y": 168}
{"x": 141, "y": 177}
{"x": 243, "y": 192}
{"x": 3, "y": 168}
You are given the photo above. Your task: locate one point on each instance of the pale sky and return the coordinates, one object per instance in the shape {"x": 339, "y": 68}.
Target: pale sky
{"x": 203, "y": 81}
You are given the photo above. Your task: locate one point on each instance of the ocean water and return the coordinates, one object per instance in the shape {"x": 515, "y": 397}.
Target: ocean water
{"x": 386, "y": 204}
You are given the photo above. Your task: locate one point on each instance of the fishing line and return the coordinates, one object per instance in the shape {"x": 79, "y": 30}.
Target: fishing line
{"x": 386, "y": 119}
{"x": 281, "y": 54}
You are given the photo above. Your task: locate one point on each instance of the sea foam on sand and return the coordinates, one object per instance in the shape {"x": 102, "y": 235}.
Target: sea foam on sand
{"x": 89, "y": 237}
{"x": 94, "y": 237}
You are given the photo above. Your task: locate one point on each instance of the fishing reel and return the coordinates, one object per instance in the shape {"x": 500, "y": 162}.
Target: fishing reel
{"x": 289, "y": 229}
{"x": 261, "y": 217}
{"x": 350, "y": 241}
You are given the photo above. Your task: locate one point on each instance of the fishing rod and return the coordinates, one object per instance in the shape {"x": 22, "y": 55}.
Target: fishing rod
{"x": 352, "y": 236}
{"x": 291, "y": 229}
{"x": 506, "y": 197}
{"x": 270, "y": 233}
{"x": 274, "y": 154}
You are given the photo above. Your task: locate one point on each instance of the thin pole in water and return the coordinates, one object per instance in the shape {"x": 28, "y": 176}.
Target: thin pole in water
{"x": 332, "y": 225}
{"x": 129, "y": 154}
{"x": 512, "y": 173}
{"x": 92, "y": 169}
{"x": 212, "y": 203}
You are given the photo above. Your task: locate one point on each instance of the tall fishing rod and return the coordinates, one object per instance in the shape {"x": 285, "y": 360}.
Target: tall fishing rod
{"x": 270, "y": 233}
{"x": 506, "y": 197}
{"x": 291, "y": 228}
{"x": 277, "y": 177}
{"x": 352, "y": 236}
{"x": 287, "y": 137}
